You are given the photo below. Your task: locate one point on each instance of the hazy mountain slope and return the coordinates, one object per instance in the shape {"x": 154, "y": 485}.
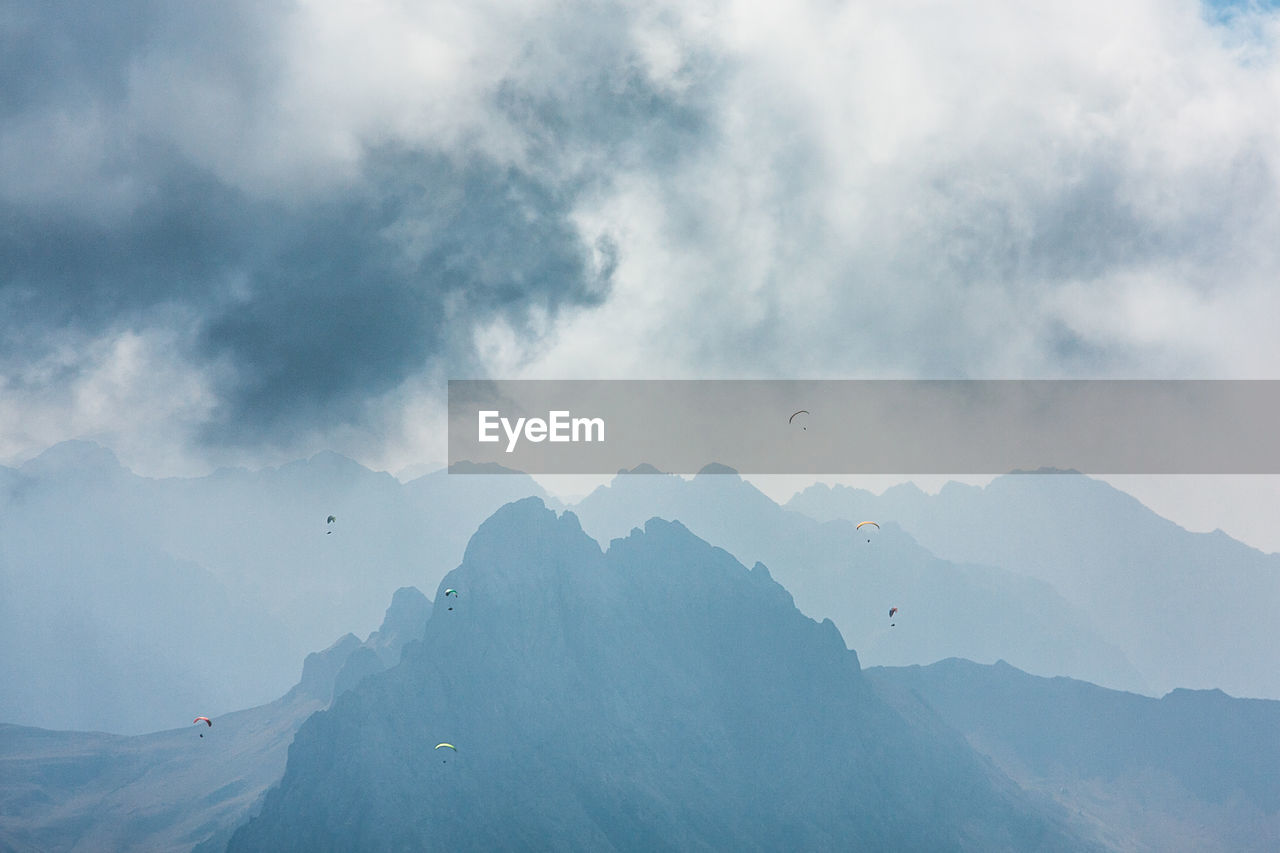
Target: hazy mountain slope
{"x": 947, "y": 609}
{"x": 108, "y": 578}
{"x": 1189, "y": 609}
{"x": 266, "y": 531}
{"x": 99, "y": 628}
{"x": 161, "y": 791}
{"x": 658, "y": 696}
{"x": 169, "y": 790}
{"x": 1195, "y": 770}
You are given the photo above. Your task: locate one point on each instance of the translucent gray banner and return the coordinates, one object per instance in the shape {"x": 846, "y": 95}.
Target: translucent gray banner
{"x": 868, "y": 426}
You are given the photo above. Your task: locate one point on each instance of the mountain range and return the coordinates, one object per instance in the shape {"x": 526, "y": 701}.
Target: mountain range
{"x": 1192, "y": 610}
{"x": 175, "y": 789}
{"x": 654, "y": 694}
{"x": 657, "y": 695}
{"x": 125, "y": 601}
{"x": 947, "y": 609}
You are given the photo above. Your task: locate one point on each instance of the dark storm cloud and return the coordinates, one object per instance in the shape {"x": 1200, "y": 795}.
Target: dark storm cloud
{"x": 306, "y": 307}
{"x": 61, "y": 270}
{"x": 315, "y": 308}
{"x": 365, "y": 291}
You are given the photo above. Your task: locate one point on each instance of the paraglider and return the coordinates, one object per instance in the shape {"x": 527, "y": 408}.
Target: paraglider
{"x": 863, "y": 524}
{"x": 330, "y": 520}
{"x": 205, "y": 720}
{"x": 449, "y": 745}
{"x": 892, "y": 610}
{"x": 449, "y": 592}
{"x": 793, "y": 417}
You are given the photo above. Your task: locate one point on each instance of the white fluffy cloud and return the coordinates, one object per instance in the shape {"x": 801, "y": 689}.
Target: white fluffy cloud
{"x": 931, "y": 189}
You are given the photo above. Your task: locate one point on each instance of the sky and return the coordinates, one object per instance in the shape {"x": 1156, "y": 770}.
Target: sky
{"x": 240, "y": 233}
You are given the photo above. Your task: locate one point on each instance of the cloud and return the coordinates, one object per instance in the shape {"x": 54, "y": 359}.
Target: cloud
{"x": 329, "y": 203}
{"x": 315, "y": 212}
{"x": 935, "y": 190}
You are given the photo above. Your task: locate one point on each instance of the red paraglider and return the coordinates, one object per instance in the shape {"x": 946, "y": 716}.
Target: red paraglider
{"x": 204, "y": 720}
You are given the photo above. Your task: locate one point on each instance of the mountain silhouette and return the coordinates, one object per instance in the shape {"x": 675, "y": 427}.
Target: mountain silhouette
{"x": 125, "y": 600}
{"x": 1191, "y": 610}
{"x": 655, "y": 696}
{"x": 947, "y": 609}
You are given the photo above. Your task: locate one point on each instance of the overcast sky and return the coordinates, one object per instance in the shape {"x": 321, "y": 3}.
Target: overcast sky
{"x": 244, "y": 232}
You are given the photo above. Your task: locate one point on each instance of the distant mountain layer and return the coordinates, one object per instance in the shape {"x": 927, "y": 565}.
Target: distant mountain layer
{"x": 172, "y": 790}
{"x": 1193, "y": 771}
{"x": 947, "y": 609}
{"x": 126, "y": 600}
{"x": 1188, "y": 609}
{"x": 657, "y": 696}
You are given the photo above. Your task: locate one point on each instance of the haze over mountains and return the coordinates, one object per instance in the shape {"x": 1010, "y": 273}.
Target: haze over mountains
{"x": 659, "y": 694}
{"x": 947, "y": 609}
{"x": 654, "y": 696}
{"x": 1193, "y": 771}
{"x": 1194, "y": 610}
{"x": 172, "y": 790}
{"x": 126, "y": 601}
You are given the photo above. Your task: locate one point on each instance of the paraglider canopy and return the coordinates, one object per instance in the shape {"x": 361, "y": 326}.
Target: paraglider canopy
{"x": 452, "y": 592}
{"x": 331, "y": 519}
{"x": 892, "y": 610}
{"x": 449, "y": 745}
{"x": 204, "y": 720}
